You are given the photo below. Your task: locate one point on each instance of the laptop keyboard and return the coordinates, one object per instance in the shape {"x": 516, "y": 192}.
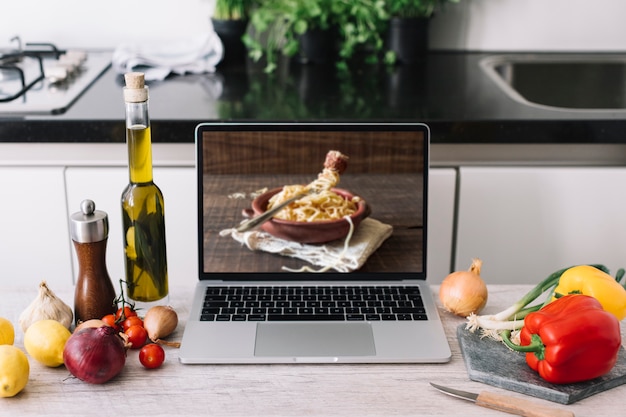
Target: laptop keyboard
{"x": 315, "y": 303}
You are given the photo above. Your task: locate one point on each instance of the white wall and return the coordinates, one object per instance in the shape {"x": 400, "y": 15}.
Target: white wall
{"x": 539, "y": 25}
{"x": 103, "y": 24}
{"x": 556, "y": 25}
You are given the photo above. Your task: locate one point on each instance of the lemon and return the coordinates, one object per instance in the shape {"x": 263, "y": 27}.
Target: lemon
{"x": 7, "y": 332}
{"x": 14, "y": 370}
{"x": 44, "y": 341}
{"x": 131, "y": 253}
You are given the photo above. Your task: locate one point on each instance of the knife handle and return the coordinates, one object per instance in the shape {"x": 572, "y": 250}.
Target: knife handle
{"x": 519, "y": 406}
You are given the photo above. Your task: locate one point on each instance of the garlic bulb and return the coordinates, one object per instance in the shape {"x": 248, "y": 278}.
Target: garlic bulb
{"x": 46, "y": 306}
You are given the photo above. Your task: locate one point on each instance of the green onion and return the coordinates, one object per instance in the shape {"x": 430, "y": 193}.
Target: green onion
{"x": 512, "y": 318}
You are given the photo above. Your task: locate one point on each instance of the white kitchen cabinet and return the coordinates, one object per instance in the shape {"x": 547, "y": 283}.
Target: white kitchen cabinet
{"x": 527, "y": 222}
{"x": 33, "y": 227}
{"x": 104, "y": 185}
{"x": 441, "y": 189}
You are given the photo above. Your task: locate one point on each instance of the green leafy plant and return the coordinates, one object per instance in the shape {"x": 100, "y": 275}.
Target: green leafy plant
{"x": 232, "y": 9}
{"x": 415, "y": 8}
{"x": 278, "y": 24}
{"x": 361, "y": 23}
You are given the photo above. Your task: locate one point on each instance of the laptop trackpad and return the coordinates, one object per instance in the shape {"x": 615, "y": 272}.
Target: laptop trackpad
{"x": 314, "y": 339}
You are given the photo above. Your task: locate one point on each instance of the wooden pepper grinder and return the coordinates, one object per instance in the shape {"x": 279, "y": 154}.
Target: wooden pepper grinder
{"x": 94, "y": 296}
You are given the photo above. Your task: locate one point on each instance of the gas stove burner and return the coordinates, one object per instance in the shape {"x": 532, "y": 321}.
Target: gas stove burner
{"x": 24, "y": 83}
{"x": 68, "y": 64}
{"x": 8, "y": 74}
{"x": 39, "y": 78}
{"x": 24, "y": 67}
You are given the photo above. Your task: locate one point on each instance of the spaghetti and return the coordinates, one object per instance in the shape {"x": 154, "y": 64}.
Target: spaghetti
{"x": 319, "y": 201}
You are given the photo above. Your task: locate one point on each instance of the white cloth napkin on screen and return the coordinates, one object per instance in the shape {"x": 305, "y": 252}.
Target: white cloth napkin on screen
{"x": 159, "y": 59}
{"x": 367, "y": 237}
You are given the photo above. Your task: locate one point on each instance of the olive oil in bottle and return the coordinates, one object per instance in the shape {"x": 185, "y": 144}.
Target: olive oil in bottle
{"x": 143, "y": 217}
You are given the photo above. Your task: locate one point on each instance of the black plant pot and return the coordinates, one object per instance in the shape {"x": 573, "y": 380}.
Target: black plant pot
{"x": 230, "y": 33}
{"x": 408, "y": 38}
{"x": 318, "y": 46}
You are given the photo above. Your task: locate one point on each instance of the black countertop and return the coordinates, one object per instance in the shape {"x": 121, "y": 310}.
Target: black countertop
{"x": 448, "y": 91}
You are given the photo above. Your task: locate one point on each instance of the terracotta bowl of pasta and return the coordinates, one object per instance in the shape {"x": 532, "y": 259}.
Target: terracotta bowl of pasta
{"x": 313, "y": 230}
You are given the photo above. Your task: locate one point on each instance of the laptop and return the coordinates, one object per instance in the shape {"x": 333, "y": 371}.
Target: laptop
{"x": 253, "y": 305}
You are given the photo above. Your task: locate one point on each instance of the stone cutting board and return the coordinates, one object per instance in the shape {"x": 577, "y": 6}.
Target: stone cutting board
{"x": 491, "y": 362}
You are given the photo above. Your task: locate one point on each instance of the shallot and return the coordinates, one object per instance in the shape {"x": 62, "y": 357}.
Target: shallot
{"x": 160, "y": 322}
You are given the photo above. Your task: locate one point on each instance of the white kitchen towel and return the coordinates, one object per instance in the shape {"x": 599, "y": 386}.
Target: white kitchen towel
{"x": 367, "y": 237}
{"x": 159, "y": 59}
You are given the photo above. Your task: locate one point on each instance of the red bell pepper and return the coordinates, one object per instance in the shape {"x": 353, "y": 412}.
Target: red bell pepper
{"x": 572, "y": 339}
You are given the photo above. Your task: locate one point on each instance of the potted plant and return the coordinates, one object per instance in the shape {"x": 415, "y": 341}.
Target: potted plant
{"x": 230, "y": 21}
{"x": 277, "y": 26}
{"x": 285, "y": 27}
{"x": 361, "y": 23}
{"x": 407, "y": 35}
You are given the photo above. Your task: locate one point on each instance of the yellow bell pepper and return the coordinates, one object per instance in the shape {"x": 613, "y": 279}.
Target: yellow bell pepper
{"x": 587, "y": 280}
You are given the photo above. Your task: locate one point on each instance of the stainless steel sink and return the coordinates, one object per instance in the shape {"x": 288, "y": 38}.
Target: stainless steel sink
{"x": 589, "y": 82}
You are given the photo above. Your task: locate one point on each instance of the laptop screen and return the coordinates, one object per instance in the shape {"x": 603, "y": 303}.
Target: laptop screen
{"x": 387, "y": 168}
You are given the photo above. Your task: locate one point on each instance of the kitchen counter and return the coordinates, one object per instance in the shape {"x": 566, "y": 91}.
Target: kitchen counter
{"x": 472, "y": 120}
{"x": 266, "y": 390}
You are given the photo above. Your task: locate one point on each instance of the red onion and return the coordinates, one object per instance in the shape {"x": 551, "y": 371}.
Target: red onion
{"x": 95, "y": 354}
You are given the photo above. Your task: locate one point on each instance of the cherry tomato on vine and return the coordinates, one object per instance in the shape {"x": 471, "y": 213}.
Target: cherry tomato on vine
{"x": 132, "y": 321}
{"x": 110, "y": 320}
{"x": 125, "y": 313}
{"x": 137, "y": 335}
{"x": 152, "y": 356}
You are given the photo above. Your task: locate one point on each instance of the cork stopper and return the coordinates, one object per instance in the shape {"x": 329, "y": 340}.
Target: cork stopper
{"x": 134, "y": 80}
{"x": 135, "y": 90}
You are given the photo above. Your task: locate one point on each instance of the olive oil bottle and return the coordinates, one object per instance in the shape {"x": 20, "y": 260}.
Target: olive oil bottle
{"x": 143, "y": 217}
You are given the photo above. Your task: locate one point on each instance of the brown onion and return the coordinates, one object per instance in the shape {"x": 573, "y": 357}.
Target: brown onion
{"x": 95, "y": 354}
{"x": 89, "y": 323}
{"x": 464, "y": 292}
{"x": 160, "y": 322}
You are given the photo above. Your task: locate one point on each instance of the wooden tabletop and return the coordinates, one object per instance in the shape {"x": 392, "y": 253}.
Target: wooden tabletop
{"x": 265, "y": 390}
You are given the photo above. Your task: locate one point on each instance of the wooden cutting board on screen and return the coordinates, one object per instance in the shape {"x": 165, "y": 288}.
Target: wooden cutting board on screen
{"x": 492, "y": 363}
